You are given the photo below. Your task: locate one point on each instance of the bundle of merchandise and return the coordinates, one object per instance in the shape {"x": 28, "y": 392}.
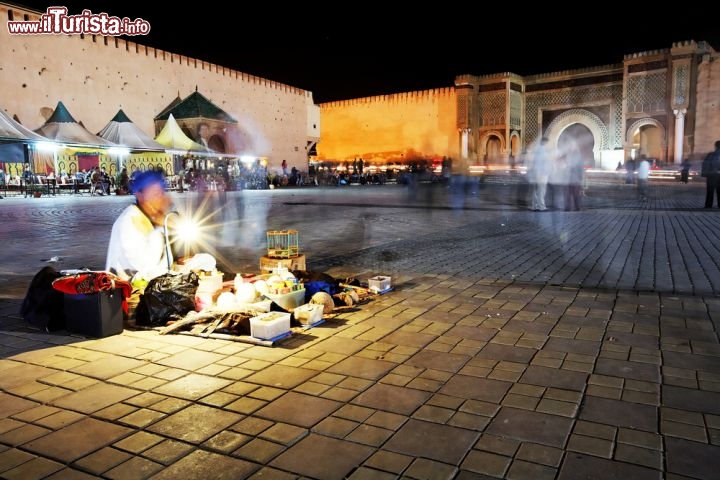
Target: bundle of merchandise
{"x": 284, "y": 289}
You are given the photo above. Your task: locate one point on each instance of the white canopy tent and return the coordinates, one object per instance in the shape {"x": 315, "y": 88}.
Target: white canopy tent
{"x": 11, "y": 129}
{"x": 67, "y": 133}
{"x": 15, "y": 140}
{"x": 176, "y": 142}
{"x": 61, "y": 127}
{"x": 123, "y": 132}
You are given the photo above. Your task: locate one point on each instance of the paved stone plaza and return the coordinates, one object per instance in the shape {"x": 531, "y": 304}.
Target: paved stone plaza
{"x": 515, "y": 344}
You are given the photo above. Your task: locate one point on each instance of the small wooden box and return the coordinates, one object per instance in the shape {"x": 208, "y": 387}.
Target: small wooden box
{"x": 268, "y": 264}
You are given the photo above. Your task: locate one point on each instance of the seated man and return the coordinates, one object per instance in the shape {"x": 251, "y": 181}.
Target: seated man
{"x": 78, "y": 180}
{"x": 137, "y": 252}
{"x": 98, "y": 183}
{"x": 107, "y": 180}
{"x": 27, "y": 176}
{"x": 51, "y": 182}
{"x": 123, "y": 182}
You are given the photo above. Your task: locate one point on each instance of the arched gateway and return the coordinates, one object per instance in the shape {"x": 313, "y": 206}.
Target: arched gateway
{"x": 566, "y": 124}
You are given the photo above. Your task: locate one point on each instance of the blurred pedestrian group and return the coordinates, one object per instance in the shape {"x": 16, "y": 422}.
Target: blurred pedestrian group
{"x": 556, "y": 177}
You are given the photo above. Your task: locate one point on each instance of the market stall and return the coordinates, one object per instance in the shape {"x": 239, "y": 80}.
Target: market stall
{"x": 261, "y": 308}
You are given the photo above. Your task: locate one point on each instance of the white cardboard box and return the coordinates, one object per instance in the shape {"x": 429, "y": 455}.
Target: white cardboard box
{"x": 270, "y": 325}
{"x": 379, "y": 283}
{"x": 309, "y": 314}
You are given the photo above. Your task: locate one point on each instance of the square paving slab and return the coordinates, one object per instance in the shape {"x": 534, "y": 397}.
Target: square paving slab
{"x": 323, "y": 458}
{"x": 443, "y": 443}
{"x": 529, "y": 426}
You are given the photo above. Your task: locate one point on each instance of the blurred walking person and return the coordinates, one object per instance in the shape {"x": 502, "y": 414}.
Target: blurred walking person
{"x": 538, "y": 174}
{"x": 575, "y": 178}
{"x": 630, "y": 171}
{"x": 643, "y": 177}
{"x": 685, "y": 171}
{"x": 558, "y": 182}
{"x": 711, "y": 171}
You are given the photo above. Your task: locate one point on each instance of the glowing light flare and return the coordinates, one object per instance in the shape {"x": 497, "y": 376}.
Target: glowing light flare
{"x": 197, "y": 228}
{"x": 186, "y": 230}
{"x": 186, "y": 233}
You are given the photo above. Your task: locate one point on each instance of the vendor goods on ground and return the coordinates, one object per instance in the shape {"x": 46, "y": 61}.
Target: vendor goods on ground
{"x": 255, "y": 308}
{"x": 267, "y": 308}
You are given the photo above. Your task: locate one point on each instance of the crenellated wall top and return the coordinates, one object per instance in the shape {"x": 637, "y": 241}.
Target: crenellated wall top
{"x": 575, "y": 72}
{"x": 465, "y": 79}
{"x": 705, "y": 47}
{"x": 416, "y": 95}
{"x": 699, "y": 48}
{"x": 499, "y": 75}
{"x": 468, "y": 79}
{"x": 685, "y": 43}
{"x": 647, "y": 53}
{"x": 473, "y": 79}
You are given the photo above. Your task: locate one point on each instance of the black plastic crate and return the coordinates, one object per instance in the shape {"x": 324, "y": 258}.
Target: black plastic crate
{"x": 94, "y": 314}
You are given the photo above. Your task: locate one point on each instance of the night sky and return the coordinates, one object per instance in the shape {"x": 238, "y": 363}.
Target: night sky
{"x": 351, "y": 50}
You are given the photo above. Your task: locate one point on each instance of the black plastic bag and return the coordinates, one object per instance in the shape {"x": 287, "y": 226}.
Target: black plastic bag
{"x": 167, "y": 297}
{"x": 43, "y": 306}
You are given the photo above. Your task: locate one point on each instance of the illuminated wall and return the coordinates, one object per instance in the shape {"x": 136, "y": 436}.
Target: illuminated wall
{"x": 390, "y": 128}
{"x": 96, "y": 76}
{"x": 430, "y": 123}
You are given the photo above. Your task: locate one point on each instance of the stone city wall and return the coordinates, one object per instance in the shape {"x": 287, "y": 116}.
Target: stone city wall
{"x": 391, "y": 128}
{"x": 95, "y": 76}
